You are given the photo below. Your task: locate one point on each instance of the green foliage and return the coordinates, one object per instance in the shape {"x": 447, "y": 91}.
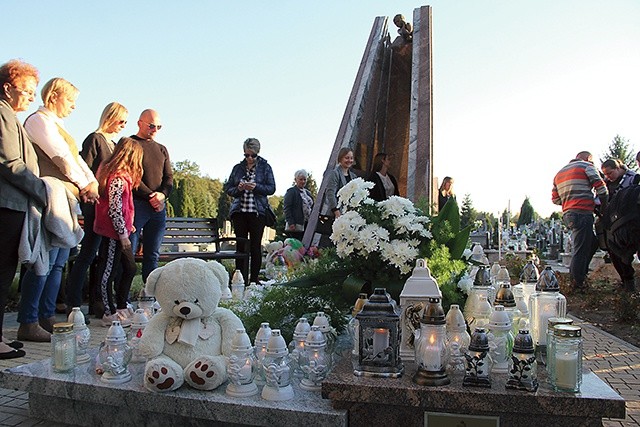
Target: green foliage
{"x": 283, "y": 305}
{"x": 446, "y": 229}
{"x": 468, "y": 215}
{"x": 620, "y": 148}
{"x": 527, "y": 214}
{"x": 312, "y": 186}
{"x": 193, "y": 195}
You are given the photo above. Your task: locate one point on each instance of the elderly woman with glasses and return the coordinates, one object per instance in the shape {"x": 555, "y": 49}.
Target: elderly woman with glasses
{"x": 58, "y": 157}
{"x": 250, "y": 182}
{"x": 19, "y": 178}
{"x": 96, "y": 148}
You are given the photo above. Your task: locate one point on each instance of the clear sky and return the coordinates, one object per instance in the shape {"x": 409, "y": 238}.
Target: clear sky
{"x": 519, "y": 86}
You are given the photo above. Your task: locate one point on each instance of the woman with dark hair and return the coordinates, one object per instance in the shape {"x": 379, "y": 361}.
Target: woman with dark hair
{"x": 336, "y": 180}
{"x": 385, "y": 183}
{"x": 19, "y": 178}
{"x": 445, "y": 192}
{"x": 250, "y": 182}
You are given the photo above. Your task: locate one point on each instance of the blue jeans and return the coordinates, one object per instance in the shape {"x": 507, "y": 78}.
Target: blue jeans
{"x": 88, "y": 250}
{"x": 151, "y": 224}
{"x": 38, "y": 293}
{"x": 584, "y": 241}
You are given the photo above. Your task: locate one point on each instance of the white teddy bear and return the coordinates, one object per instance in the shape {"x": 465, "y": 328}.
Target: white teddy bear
{"x": 189, "y": 339}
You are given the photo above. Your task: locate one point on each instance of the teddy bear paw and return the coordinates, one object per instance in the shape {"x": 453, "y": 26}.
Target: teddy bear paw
{"x": 205, "y": 374}
{"x": 161, "y": 379}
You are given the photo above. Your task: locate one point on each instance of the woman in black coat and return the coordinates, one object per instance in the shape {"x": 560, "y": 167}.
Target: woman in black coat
{"x": 385, "y": 183}
{"x": 298, "y": 203}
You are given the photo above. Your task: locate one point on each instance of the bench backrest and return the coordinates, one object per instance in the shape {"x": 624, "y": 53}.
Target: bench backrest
{"x": 190, "y": 230}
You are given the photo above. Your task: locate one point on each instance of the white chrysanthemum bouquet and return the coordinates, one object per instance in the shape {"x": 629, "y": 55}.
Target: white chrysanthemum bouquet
{"x": 380, "y": 239}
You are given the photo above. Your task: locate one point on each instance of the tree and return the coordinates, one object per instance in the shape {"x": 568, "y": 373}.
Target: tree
{"x": 468, "y": 215}
{"x": 224, "y": 206}
{"x": 620, "y": 148}
{"x": 527, "y": 214}
{"x": 193, "y": 195}
{"x": 312, "y": 186}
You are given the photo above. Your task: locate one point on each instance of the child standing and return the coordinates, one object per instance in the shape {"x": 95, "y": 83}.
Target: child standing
{"x": 114, "y": 219}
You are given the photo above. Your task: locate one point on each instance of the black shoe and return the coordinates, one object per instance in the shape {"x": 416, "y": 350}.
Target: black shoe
{"x": 12, "y": 354}
{"x": 15, "y": 344}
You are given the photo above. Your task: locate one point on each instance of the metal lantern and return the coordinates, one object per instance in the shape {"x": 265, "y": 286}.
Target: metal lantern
{"x": 478, "y": 361}
{"x": 275, "y": 366}
{"x": 315, "y": 363}
{"x": 138, "y": 323}
{"x": 523, "y": 366}
{"x": 458, "y": 338}
{"x": 260, "y": 349}
{"x": 83, "y": 335}
{"x": 353, "y": 325}
{"x": 500, "y": 339}
{"x": 379, "y": 338}
{"x": 115, "y": 355}
{"x": 545, "y": 303}
{"x": 296, "y": 346}
{"x": 241, "y": 366}
{"x": 432, "y": 355}
{"x": 415, "y": 295}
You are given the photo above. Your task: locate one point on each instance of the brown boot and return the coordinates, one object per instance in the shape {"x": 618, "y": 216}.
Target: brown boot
{"x": 33, "y": 332}
{"x": 47, "y": 324}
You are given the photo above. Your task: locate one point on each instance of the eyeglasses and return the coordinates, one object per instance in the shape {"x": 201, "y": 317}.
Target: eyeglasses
{"x": 253, "y": 155}
{"x": 122, "y": 122}
{"x": 152, "y": 126}
{"x": 24, "y": 92}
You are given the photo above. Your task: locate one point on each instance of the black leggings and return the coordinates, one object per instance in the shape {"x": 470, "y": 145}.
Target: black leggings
{"x": 111, "y": 253}
{"x": 10, "y": 229}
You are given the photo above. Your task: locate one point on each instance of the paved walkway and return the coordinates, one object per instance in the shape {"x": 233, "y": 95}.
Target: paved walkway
{"x": 612, "y": 359}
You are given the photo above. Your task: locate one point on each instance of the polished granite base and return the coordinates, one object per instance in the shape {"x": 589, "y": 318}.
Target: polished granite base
{"x": 81, "y": 398}
{"x": 389, "y": 400}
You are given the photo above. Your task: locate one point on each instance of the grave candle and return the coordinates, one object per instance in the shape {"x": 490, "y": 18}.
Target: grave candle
{"x": 380, "y": 340}
{"x": 566, "y": 371}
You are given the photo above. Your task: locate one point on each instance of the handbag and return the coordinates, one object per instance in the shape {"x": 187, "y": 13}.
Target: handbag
{"x": 325, "y": 225}
{"x": 269, "y": 217}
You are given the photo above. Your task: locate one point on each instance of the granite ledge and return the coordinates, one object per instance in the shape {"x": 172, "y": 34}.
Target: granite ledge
{"x": 596, "y": 399}
{"x": 83, "y": 386}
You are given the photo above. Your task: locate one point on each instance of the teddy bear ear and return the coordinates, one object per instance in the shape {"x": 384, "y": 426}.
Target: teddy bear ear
{"x": 220, "y": 272}
{"x": 152, "y": 279}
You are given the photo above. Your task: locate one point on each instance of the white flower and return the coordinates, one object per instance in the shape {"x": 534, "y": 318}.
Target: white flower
{"x": 465, "y": 284}
{"x": 354, "y": 193}
{"x": 396, "y": 206}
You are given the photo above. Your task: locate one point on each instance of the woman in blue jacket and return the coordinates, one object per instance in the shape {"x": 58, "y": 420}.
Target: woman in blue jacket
{"x": 250, "y": 182}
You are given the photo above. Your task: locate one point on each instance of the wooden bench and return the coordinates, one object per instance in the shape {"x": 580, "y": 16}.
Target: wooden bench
{"x": 198, "y": 238}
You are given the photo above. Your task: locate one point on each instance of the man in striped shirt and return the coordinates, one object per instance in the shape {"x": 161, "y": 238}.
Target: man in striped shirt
{"x": 578, "y": 187}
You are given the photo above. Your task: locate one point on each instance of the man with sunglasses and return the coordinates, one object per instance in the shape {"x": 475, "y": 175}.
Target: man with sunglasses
{"x": 149, "y": 198}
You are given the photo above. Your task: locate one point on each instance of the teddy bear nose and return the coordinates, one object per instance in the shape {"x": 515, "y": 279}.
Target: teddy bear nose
{"x": 185, "y": 310}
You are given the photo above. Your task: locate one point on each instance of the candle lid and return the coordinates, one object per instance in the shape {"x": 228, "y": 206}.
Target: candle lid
{"x": 529, "y": 273}
{"x": 360, "y": 302}
{"x": 315, "y": 338}
{"x": 479, "y": 340}
{"x": 277, "y": 346}
{"x": 59, "y": 328}
{"x": 241, "y": 341}
{"x": 433, "y": 313}
{"x": 147, "y": 299}
{"x": 553, "y": 321}
{"x": 302, "y": 328}
{"x": 263, "y": 334}
{"x": 523, "y": 342}
{"x": 548, "y": 281}
{"x": 483, "y": 277}
{"x": 567, "y": 331}
{"x": 505, "y": 297}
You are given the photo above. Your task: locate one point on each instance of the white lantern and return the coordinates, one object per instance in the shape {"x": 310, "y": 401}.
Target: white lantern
{"x": 83, "y": 335}
{"x": 314, "y": 362}
{"x": 260, "y": 349}
{"x": 275, "y": 366}
{"x": 241, "y": 366}
{"x": 138, "y": 323}
{"x": 415, "y": 295}
{"x": 458, "y": 338}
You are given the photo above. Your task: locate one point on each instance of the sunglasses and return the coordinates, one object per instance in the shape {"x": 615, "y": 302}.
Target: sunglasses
{"x": 122, "y": 122}
{"x": 253, "y": 156}
{"x": 152, "y": 126}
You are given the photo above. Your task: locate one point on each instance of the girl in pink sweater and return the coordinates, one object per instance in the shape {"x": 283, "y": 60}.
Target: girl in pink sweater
{"x": 114, "y": 219}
